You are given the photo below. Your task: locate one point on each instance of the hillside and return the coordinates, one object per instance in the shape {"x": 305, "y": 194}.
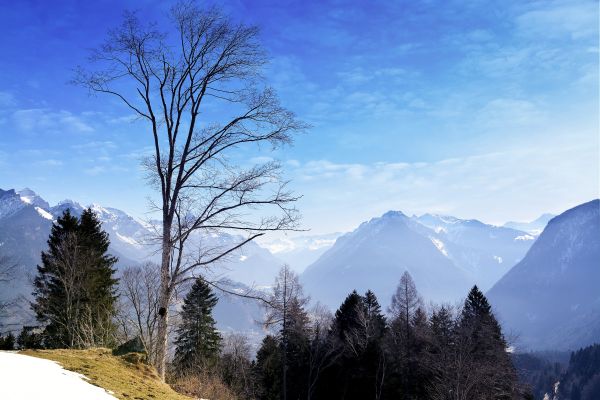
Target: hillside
{"x": 550, "y": 299}
{"x": 122, "y": 378}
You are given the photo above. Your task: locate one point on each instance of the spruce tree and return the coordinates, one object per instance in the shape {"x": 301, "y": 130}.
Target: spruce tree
{"x": 7, "y": 342}
{"x": 75, "y": 287}
{"x": 56, "y": 297}
{"x": 198, "y": 341}
{"x": 478, "y": 328}
{"x": 101, "y": 285}
{"x": 268, "y": 369}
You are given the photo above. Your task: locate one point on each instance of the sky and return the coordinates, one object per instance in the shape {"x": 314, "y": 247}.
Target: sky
{"x": 477, "y": 109}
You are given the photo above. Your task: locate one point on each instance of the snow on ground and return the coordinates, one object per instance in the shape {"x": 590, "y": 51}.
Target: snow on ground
{"x": 25, "y": 377}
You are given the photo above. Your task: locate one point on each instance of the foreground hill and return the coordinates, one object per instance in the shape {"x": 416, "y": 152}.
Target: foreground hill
{"x": 120, "y": 377}
{"x": 551, "y": 299}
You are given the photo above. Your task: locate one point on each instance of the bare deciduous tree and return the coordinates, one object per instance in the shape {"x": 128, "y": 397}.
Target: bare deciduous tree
{"x": 235, "y": 366}
{"x": 139, "y": 288}
{"x": 323, "y": 349}
{"x": 7, "y": 274}
{"x": 199, "y": 92}
{"x": 75, "y": 323}
{"x": 287, "y": 298}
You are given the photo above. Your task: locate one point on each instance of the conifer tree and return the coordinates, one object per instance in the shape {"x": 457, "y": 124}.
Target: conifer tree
{"x": 198, "y": 342}
{"x": 268, "y": 369}
{"x": 100, "y": 285}
{"x": 74, "y": 289}
{"x": 481, "y": 337}
{"x": 7, "y": 342}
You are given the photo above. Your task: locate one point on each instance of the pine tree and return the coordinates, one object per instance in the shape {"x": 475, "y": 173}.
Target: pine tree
{"x": 268, "y": 369}
{"x": 56, "y": 297}
{"x": 74, "y": 289}
{"x": 7, "y": 342}
{"x": 198, "y": 341}
{"x": 377, "y": 323}
{"x": 481, "y": 337}
{"x": 101, "y": 285}
{"x": 29, "y": 339}
{"x": 358, "y": 329}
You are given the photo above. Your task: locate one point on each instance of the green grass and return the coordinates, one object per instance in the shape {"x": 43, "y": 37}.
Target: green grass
{"x": 124, "y": 376}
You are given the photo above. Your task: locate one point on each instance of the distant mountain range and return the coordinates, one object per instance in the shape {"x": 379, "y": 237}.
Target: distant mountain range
{"x": 301, "y": 251}
{"x": 534, "y": 227}
{"x": 444, "y": 255}
{"x": 551, "y": 299}
{"x": 26, "y": 220}
{"x": 556, "y": 277}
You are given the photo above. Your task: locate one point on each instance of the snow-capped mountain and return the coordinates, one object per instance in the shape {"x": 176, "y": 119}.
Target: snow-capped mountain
{"x": 485, "y": 252}
{"x": 130, "y": 237}
{"x": 376, "y": 254}
{"x": 301, "y": 251}
{"x": 534, "y": 227}
{"x": 24, "y": 215}
{"x": 26, "y": 220}
{"x": 444, "y": 255}
{"x": 551, "y": 299}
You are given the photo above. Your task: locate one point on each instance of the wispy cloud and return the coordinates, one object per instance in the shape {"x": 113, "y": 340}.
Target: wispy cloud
{"x": 7, "y": 99}
{"x": 41, "y": 120}
{"x": 517, "y": 182}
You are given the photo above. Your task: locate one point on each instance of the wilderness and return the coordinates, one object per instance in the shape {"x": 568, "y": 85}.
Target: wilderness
{"x": 320, "y": 200}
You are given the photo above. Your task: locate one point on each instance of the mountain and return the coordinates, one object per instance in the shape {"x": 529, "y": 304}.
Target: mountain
{"x": 485, "y": 252}
{"x": 26, "y": 220}
{"x": 551, "y": 299}
{"x": 301, "y": 251}
{"x": 376, "y": 254}
{"x": 444, "y": 255}
{"x": 534, "y": 227}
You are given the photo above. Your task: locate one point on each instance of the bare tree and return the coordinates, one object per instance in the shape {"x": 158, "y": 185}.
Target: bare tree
{"x": 405, "y": 302}
{"x": 70, "y": 318}
{"x": 283, "y": 305}
{"x": 7, "y": 273}
{"x": 199, "y": 92}
{"x": 139, "y": 289}
{"x": 323, "y": 350}
{"x": 235, "y": 366}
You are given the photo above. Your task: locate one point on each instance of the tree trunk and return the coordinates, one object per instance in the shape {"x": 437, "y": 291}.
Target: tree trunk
{"x": 163, "y": 303}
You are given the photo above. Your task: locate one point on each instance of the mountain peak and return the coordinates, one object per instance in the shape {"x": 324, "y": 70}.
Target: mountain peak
{"x": 393, "y": 214}
{"x": 68, "y": 202}
{"x": 28, "y": 196}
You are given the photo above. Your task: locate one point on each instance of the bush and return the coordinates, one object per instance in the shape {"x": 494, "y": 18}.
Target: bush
{"x": 203, "y": 385}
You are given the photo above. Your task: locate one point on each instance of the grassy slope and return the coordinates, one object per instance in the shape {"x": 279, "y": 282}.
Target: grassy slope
{"x": 126, "y": 380}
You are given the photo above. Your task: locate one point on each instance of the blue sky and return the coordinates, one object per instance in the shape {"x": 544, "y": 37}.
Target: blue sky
{"x": 480, "y": 109}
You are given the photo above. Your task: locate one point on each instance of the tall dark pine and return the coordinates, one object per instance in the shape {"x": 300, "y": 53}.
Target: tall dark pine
{"x": 75, "y": 287}
{"x": 101, "y": 284}
{"x": 268, "y": 369}
{"x": 357, "y": 331}
{"x": 54, "y": 300}
{"x": 479, "y": 328}
{"x": 198, "y": 341}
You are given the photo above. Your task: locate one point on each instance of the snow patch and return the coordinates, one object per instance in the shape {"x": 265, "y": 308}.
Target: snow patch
{"x": 52, "y": 382}
{"x": 127, "y": 239}
{"x": 440, "y": 245}
{"x": 525, "y": 237}
{"x": 43, "y": 213}
{"x": 320, "y": 243}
